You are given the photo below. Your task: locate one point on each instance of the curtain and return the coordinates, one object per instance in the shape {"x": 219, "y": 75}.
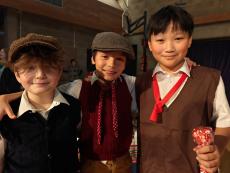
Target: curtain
{"x": 215, "y": 54}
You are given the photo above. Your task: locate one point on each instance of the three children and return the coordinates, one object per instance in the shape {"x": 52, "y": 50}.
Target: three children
{"x": 107, "y": 99}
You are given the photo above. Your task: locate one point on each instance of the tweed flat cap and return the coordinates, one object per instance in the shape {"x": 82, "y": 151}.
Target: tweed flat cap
{"x": 32, "y": 39}
{"x": 111, "y": 41}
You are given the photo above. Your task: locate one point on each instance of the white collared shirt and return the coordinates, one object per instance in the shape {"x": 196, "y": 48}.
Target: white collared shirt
{"x": 221, "y": 110}
{"x": 25, "y": 105}
{"x": 167, "y": 81}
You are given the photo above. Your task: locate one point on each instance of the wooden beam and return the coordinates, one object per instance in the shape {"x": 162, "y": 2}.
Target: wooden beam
{"x": 212, "y": 18}
{"x": 86, "y": 13}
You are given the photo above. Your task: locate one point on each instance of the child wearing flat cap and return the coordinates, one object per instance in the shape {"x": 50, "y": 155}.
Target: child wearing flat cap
{"x": 107, "y": 99}
{"x": 43, "y": 137}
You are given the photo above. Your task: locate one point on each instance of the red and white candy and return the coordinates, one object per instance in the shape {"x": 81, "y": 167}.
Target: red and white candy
{"x": 203, "y": 136}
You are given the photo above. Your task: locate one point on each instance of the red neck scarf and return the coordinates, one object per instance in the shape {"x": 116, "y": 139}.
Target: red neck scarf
{"x": 158, "y": 107}
{"x": 114, "y": 112}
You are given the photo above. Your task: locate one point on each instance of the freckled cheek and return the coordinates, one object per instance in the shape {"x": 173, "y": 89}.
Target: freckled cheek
{"x": 26, "y": 82}
{"x": 27, "y": 78}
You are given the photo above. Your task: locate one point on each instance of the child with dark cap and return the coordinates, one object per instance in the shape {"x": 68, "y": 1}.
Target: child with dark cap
{"x": 107, "y": 99}
{"x": 43, "y": 138}
{"x": 175, "y": 98}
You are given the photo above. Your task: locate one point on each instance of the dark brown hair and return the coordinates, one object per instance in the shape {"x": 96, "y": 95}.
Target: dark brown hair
{"x": 38, "y": 54}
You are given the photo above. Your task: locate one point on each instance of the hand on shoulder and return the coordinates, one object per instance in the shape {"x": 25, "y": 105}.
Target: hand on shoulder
{"x": 5, "y": 108}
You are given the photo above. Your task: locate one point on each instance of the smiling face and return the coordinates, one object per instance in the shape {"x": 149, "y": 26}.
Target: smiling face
{"x": 109, "y": 65}
{"x": 38, "y": 79}
{"x": 170, "y": 48}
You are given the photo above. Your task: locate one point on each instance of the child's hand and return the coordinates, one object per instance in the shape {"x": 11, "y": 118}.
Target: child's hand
{"x": 208, "y": 157}
{"x": 5, "y": 108}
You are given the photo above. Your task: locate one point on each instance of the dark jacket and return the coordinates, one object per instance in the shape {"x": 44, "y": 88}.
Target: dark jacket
{"x": 36, "y": 145}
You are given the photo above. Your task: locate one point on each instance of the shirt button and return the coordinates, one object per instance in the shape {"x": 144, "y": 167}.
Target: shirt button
{"x": 47, "y": 128}
{"x": 49, "y": 156}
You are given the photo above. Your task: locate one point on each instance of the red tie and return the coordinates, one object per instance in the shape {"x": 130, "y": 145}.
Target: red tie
{"x": 158, "y": 107}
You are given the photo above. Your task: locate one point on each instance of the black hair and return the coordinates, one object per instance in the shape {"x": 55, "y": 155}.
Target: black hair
{"x": 179, "y": 17}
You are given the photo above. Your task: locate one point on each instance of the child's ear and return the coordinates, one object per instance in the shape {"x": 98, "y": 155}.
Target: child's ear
{"x": 149, "y": 45}
{"x": 92, "y": 60}
{"x": 17, "y": 77}
{"x": 190, "y": 42}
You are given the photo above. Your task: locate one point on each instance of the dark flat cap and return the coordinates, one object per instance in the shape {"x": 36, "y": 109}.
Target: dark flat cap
{"x": 32, "y": 39}
{"x": 111, "y": 41}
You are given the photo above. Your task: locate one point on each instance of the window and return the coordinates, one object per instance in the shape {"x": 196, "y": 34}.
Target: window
{"x": 54, "y": 2}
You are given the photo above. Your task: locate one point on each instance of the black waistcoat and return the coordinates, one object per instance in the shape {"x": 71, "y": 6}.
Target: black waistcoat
{"x": 36, "y": 145}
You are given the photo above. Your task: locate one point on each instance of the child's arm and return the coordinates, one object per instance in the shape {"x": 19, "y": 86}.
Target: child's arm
{"x": 5, "y": 108}
{"x": 222, "y": 136}
{"x": 71, "y": 88}
{"x": 209, "y": 156}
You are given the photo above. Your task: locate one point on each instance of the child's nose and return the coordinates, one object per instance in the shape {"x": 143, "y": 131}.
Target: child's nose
{"x": 170, "y": 46}
{"x": 40, "y": 73}
{"x": 112, "y": 62}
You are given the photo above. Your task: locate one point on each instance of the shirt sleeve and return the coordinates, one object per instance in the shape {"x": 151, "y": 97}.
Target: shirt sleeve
{"x": 221, "y": 110}
{"x": 130, "y": 81}
{"x": 72, "y": 88}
